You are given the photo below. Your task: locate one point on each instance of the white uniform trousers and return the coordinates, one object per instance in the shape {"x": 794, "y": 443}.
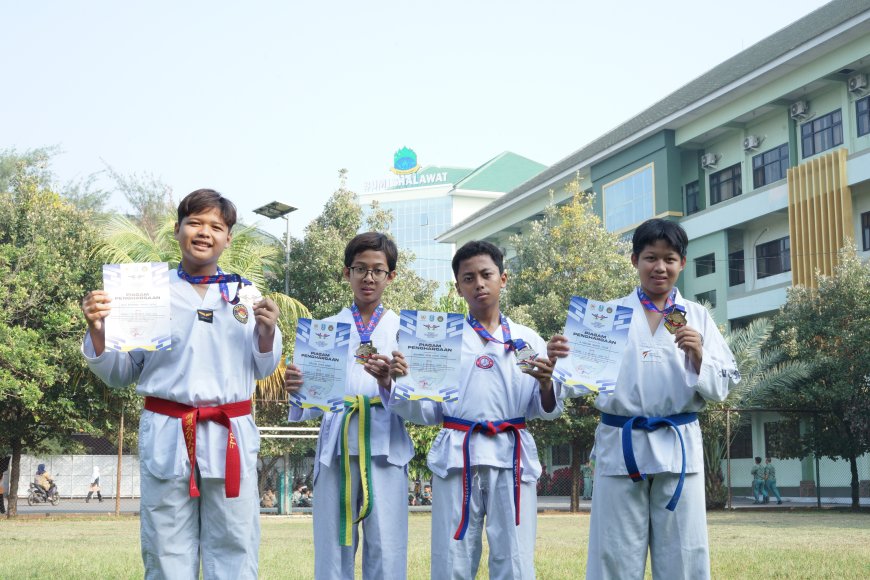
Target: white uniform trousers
{"x": 511, "y": 547}
{"x": 385, "y": 530}
{"x": 629, "y": 519}
{"x": 177, "y": 530}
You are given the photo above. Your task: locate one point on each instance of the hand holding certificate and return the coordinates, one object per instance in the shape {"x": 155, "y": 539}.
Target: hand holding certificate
{"x": 597, "y": 333}
{"x": 432, "y": 345}
{"x": 139, "y": 319}
{"x": 321, "y": 353}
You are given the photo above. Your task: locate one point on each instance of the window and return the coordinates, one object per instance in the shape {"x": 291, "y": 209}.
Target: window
{"x": 822, "y": 133}
{"x": 741, "y": 442}
{"x": 693, "y": 191}
{"x": 629, "y": 200}
{"x": 709, "y": 296}
{"x": 561, "y": 454}
{"x": 770, "y": 166}
{"x": 865, "y": 229}
{"x": 773, "y": 257}
{"x": 780, "y": 436}
{"x": 862, "y": 115}
{"x": 705, "y": 265}
{"x": 725, "y": 184}
{"x": 736, "y": 271}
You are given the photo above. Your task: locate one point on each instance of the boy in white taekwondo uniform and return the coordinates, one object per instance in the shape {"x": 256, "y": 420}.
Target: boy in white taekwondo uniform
{"x": 649, "y": 488}
{"x": 484, "y": 459}
{"x": 377, "y": 496}
{"x": 198, "y": 443}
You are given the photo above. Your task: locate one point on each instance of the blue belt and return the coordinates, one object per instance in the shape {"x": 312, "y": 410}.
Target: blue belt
{"x": 650, "y": 424}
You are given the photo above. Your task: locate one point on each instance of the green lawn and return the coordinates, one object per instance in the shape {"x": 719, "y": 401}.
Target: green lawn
{"x": 743, "y": 545}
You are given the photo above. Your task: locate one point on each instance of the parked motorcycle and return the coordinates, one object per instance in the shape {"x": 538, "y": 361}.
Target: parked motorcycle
{"x": 39, "y": 495}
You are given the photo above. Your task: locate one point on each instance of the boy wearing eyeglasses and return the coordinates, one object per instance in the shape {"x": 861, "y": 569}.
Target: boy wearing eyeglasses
{"x": 360, "y": 469}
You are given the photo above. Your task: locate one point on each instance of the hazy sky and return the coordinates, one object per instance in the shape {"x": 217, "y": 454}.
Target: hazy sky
{"x": 267, "y": 100}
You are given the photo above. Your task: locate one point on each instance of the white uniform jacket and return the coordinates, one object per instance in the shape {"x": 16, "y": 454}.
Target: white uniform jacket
{"x": 211, "y": 363}
{"x": 657, "y": 379}
{"x": 388, "y": 436}
{"x": 492, "y": 388}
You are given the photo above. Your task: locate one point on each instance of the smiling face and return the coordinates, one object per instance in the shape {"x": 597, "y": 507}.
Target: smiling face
{"x": 479, "y": 282}
{"x": 658, "y": 267}
{"x": 368, "y": 289}
{"x": 202, "y": 238}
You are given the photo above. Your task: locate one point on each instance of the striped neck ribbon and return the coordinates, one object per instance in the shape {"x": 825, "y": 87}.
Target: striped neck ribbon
{"x": 357, "y": 404}
{"x": 509, "y": 344}
{"x": 365, "y": 331}
{"x": 650, "y": 305}
{"x": 221, "y": 279}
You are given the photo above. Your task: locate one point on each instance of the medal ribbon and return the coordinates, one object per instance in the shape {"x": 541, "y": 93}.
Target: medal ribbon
{"x": 365, "y": 332}
{"x": 362, "y": 405}
{"x": 650, "y": 305}
{"x": 509, "y": 344}
{"x": 487, "y": 428}
{"x": 220, "y": 279}
{"x": 190, "y": 416}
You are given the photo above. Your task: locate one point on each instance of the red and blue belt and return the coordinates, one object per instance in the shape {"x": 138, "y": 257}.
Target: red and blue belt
{"x": 650, "y": 424}
{"x": 190, "y": 416}
{"x": 490, "y": 428}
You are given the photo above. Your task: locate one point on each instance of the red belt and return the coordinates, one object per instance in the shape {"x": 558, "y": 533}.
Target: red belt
{"x": 487, "y": 428}
{"x": 190, "y": 416}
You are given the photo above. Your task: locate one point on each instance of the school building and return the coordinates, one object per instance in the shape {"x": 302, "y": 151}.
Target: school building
{"x": 764, "y": 160}
{"x": 426, "y": 201}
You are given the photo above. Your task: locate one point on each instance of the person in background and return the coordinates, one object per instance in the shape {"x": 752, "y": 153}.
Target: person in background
{"x": 770, "y": 483}
{"x": 758, "y": 488}
{"x": 95, "y": 486}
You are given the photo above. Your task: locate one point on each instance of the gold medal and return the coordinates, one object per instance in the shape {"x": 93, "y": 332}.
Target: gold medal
{"x": 675, "y": 319}
{"x": 364, "y": 352}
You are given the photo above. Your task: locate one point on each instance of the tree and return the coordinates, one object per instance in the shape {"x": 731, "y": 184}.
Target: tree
{"x": 45, "y": 262}
{"x": 765, "y": 373}
{"x": 567, "y": 253}
{"x": 150, "y": 198}
{"x": 827, "y": 327}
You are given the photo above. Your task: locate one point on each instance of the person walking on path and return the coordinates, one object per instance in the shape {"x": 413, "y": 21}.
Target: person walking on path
{"x": 770, "y": 483}
{"x": 759, "y": 490}
{"x": 95, "y": 486}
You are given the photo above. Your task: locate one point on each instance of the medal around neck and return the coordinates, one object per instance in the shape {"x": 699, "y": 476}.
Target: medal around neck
{"x": 140, "y": 317}
{"x": 364, "y": 352}
{"x": 321, "y": 352}
{"x": 675, "y": 319}
{"x": 432, "y": 345}
{"x": 597, "y": 335}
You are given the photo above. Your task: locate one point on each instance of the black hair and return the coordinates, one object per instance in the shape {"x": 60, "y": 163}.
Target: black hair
{"x": 371, "y": 241}
{"x": 477, "y": 248}
{"x": 758, "y": 460}
{"x": 203, "y": 200}
{"x": 653, "y": 230}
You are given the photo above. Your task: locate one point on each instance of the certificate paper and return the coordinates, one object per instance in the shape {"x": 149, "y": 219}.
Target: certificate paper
{"x": 140, "y": 318}
{"x": 597, "y": 333}
{"x": 432, "y": 345}
{"x": 321, "y": 352}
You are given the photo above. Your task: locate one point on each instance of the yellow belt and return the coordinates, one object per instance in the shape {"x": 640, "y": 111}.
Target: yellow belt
{"x": 362, "y": 405}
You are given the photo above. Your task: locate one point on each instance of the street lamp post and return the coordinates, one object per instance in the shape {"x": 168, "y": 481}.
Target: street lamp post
{"x": 273, "y": 210}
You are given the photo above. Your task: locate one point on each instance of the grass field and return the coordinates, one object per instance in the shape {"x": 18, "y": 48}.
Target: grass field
{"x": 743, "y": 545}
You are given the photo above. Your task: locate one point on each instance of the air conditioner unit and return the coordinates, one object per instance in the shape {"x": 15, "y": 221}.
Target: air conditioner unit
{"x": 857, "y": 83}
{"x": 709, "y": 160}
{"x": 799, "y": 109}
{"x": 752, "y": 142}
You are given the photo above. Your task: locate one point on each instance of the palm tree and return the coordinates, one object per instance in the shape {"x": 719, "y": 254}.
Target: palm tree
{"x": 250, "y": 255}
{"x": 765, "y": 372}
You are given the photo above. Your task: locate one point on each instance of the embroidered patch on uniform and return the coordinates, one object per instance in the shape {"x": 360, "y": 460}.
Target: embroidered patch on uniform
{"x": 240, "y": 311}
{"x": 484, "y": 362}
{"x": 205, "y": 315}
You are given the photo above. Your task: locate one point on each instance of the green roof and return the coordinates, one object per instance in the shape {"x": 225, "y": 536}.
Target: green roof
{"x": 501, "y": 173}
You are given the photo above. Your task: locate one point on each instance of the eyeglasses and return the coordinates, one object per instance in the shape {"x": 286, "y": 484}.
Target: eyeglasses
{"x": 360, "y": 273}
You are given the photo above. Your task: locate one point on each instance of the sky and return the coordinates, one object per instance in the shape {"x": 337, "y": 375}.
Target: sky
{"x": 267, "y": 100}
